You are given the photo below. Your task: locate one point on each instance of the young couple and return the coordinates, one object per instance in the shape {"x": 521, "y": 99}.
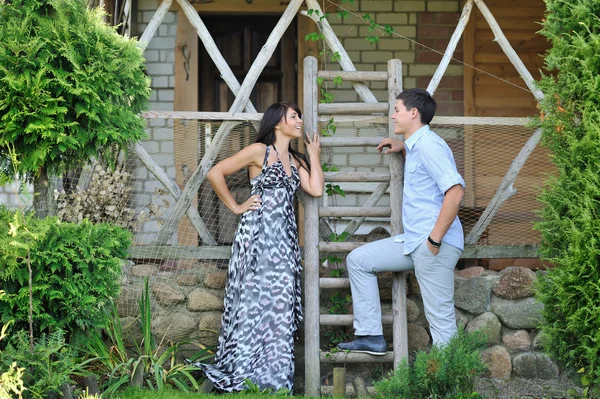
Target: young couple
{"x": 262, "y": 297}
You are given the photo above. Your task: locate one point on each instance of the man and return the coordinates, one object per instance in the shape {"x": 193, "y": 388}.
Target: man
{"x": 433, "y": 237}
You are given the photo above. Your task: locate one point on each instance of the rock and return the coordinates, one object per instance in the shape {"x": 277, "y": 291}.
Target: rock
{"x": 127, "y": 303}
{"x": 174, "y": 326}
{"x": 462, "y": 318}
{"x": 188, "y": 280}
{"x": 473, "y": 295}
{"x": 412, "y": 284}
{"x": 470, "y": 272}
{"x": 518, "y": 340}
{"x": 202, "y": 301}
{"x": 216, "y": 280}
{"x": 534, "y": 365}
{"x": 497, "y": 361}
{"x": 167, "y": 295}
{"x": 412, "y": 311}
{"x": 418, "y": 339}
{"x": 209, "y": 328}
{"x": 518, "y": 314}
{"x": 488, "y": 324}
{"x": 515, "y": 282}
{"x": 144, "y": 270}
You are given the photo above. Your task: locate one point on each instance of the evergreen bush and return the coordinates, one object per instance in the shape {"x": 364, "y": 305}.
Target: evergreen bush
{"x": 75, "y": 272}
{"x": 71, "y": 88}
{"x": 570, "y": 226}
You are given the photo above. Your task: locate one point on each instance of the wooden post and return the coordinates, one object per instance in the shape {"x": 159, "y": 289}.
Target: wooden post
{"x": 400, "y": 340}
{"x": 311, "y": 247}
{"x": 339, "y": 382}
{"x": 460, "y": 27}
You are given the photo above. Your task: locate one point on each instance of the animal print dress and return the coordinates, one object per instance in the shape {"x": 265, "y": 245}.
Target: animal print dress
{"x": 262, "y": 297}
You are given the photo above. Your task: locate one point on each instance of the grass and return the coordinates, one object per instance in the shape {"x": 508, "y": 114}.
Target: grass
{"x": 135, "y": 393}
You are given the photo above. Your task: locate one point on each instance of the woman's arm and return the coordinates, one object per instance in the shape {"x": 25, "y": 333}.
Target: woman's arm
{"x": 313, "y": 183}
{"x": 248, "y": 157}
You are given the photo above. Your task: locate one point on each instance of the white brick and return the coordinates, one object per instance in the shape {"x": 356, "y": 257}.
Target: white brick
{"x": 159, "y": 68}
{"x": 375, "y": 5}
{"x": 151, "y": 55}
{"x": 159, "y": 82}
{"x": 166, "y": 147}
{"x": 150, "y": 146}
{"x": 344, "y": 30}
{"x": 162, "y": 134}
{"x": 153, "y": 95}
{"x": 163, "y": 43}
{"x": 409, "y": 5}
{"x": 443, "y": 6}
{"x": 387, "y": 18}
{"x": 166, "y": 95}
{"x": 170, "y": 18}
{"x": 163, "y": 30}
{"x": 393, "y": 43}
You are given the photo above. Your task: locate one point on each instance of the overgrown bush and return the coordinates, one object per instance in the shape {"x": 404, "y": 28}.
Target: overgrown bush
{"x": 11, "y": 375}
{"x": 570, "y": 225}
{"x": 447, "y": 372}
{"x": 71, "y": 87}
{"x": 75, "y": 271}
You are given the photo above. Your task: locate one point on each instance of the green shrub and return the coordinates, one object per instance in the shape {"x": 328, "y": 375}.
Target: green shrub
{"x": 446, "y": 372}
{"x": 75, "y": 271}
{"x": 11, "y": 375}
{"x": 71, "y": 87}
{"x": 47, "y": 367}
{"x": 570, "y": 225}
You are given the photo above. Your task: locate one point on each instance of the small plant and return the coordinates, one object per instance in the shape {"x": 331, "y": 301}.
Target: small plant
{"x": 143, "y": 363}
{"x": 446, "y": 372}
{"x": 253, "y": 388}
{"x": 11, "y": 377}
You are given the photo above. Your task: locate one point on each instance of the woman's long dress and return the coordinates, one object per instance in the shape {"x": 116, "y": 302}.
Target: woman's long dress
{"x": 262, "y": 297}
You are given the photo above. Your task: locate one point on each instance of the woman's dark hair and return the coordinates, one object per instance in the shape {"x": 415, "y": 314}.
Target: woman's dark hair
{"x": 266, "y": 131}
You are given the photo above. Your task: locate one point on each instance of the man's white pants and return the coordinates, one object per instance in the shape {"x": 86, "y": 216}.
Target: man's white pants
{"x": 435, "y": 275}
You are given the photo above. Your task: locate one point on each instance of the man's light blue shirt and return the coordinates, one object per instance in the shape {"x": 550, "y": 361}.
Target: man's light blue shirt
{"x": 429, "y": 171}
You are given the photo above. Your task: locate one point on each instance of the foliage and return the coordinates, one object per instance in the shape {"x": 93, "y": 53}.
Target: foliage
{"x": 146, "y": 363}
{"x": 47, "y": 367}
{"x": 136, "y": 393}
{"x": 446, "y": 372}
{"x": 71, "y": 87}
{"x": 11, "y": 377}
{"x": 255, "y": 389}
{"x": 75, "y": 271}
{"x": 570, "y": 226}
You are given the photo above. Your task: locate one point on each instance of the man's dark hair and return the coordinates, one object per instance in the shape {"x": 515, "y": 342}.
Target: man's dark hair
{"x": 421, "y": 100}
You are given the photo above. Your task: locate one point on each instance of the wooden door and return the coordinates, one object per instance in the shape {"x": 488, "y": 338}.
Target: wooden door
{"x": 240, "y": 39}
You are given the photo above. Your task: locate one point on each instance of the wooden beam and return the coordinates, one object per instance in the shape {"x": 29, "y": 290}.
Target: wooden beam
{"x": 357, "y": 177}
{"x": 311, "y": 250}
{"x": 357, "y": 76}
{"x": 505, "y": 190}
{"x": 364, "y": 212}
{"x": 371, "y": 201}
{"x": 336, "y": 46}
{"x": 154, "y": 23}
{"x": 352, "y": 108}
{"x": 508, "y": 50}
{"x": 460, "y": 27}
{"x": 396, "y": 162}
{"x": 354, "y": 357}
{"x": 200, "y": 115}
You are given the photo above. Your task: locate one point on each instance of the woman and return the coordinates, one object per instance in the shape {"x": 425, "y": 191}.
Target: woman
{"x": 262, "y": 297}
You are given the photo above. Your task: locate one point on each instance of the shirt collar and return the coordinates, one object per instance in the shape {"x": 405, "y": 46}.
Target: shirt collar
{"x": 412, "y": 140}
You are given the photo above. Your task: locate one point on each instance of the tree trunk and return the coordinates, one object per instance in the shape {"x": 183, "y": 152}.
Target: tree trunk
{"x": 44, "y": 202}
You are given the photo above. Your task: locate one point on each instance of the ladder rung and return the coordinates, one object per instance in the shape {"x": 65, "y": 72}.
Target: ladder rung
{"x": 370, "y": 177}
{"x": 348, "y": 319}
{"x": 353, "y": 108}
{"x": 354, "y": 357}
{"x": 355, "y": 76}
{"x": 334, "y": 282}
{"x": 358, "y": 211}
{"x": 339, "y": 246}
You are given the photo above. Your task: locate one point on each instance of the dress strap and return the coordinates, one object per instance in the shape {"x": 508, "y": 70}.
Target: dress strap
{"x": 266, "y": 160}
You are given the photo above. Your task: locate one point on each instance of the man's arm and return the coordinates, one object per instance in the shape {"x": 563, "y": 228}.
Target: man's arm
{"x": 450, "y": 205}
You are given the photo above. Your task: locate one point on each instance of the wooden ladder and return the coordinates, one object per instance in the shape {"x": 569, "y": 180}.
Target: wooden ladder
{"x": 312, "y": 244}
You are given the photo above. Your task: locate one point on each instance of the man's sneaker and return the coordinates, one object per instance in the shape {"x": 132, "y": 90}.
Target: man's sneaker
{"x": 371, "y": 344}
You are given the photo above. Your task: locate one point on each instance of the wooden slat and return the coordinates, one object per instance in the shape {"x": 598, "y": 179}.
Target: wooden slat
{"x": 341, "y": 211}
{"x": 371, "y": 177}
{"x": 218, "y": 116}
{"x": 348, "y": 319}
{"x": 353, "y": 357}
{"x": 350, "y": 141}
{"x": 351, "y": 76}
{"x": 353, "y": 108}
{"x": 334, "y": 282}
